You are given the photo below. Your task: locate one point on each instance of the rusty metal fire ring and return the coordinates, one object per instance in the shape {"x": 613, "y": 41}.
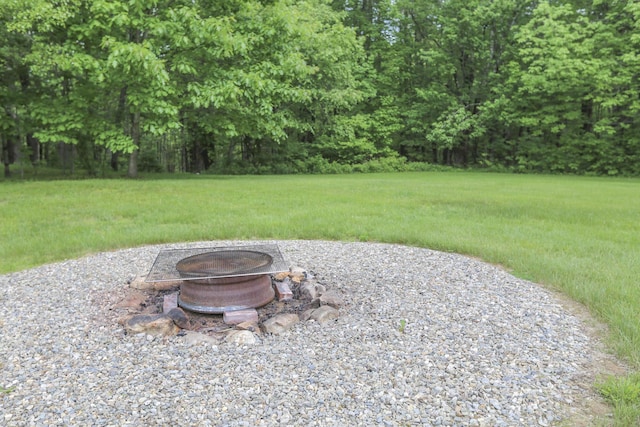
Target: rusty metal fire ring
{"x": 226, "y": 282}
{"x": 202, "y": 296}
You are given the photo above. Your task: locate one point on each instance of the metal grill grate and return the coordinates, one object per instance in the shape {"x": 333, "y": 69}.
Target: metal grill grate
{"x": 223, "y": 263}
{"x": 211, "y": 263}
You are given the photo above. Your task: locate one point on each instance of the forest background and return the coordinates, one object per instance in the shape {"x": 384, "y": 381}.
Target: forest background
{"x": 248, "y": 86}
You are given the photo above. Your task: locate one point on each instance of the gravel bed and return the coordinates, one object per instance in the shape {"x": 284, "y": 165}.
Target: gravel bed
{"x": 479, "y": 348}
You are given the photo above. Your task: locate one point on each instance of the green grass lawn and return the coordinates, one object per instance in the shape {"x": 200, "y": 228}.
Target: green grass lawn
{"x": 579, "y": 235}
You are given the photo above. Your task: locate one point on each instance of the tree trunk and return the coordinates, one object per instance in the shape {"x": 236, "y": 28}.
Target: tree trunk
{"x": 587, "y": 115}
{"x": 230, "y": 152}
{"x": 34, "y": 146}
{"x": 198, "y": 161}
{"x": 135, "y": 136}
{"x": 6, "y": 157}
{"x": 132, "y": 172}
{"x": 73, "y": 159}
{"x": 114, "y": 161}
{"x": 66, "y": 157}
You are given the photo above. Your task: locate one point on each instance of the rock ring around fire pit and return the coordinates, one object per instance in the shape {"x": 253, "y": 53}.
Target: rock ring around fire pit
{"x": 234, "y": 282}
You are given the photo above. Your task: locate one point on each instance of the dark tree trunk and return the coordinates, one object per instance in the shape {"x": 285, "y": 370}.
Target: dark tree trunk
{"x": 230, "y": 150}
{"x": 72, "y": 156}
{"x": 65, "y": 153}
{"x": 7, "y": 149}
{"x": 587, "y": 114}
{"x": 198, "y": 161}
{"x": 135, "y": 136}
{"x": 34, "y": 146}
{"x": 114, "y": 161}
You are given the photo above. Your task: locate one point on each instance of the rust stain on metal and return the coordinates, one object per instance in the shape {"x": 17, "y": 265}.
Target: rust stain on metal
{"x": 206, "y": 296}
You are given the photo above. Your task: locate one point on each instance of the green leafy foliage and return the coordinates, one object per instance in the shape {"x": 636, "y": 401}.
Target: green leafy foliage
{"x": 511, "y": 84}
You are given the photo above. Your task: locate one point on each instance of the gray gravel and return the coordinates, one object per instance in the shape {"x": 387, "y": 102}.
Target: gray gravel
{"x": 480, "y": 348}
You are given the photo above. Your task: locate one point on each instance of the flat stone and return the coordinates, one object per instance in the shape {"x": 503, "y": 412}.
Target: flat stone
{"x": 324, "y": 314}
{"x": 241, "y": 337}
{"x": 280, "y": 323}
{"x": 169, "y": 302}
{"x": 283, "y": 291}
{"x": 311, "y": 290}
{"x": 332, "y": 298}
{"x": 239, "y": 316}
{"x": 152, "y": 324}
{"x": 313, "y": 304}
{"x": 306, "y": 315}
{"x": 179, "y": 317}
{"x": 195, "y": 338}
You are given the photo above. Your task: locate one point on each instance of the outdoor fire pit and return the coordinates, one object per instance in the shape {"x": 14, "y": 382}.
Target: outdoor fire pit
{"x": 219, "y": 280}
{"x": 252, "y": 287}
{"x": 230, "y": 286}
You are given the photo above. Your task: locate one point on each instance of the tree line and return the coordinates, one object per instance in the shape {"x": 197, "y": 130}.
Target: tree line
{"x": 285, "y": 86}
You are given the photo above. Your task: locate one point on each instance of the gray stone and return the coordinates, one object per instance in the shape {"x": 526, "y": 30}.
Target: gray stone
{"x": 241, "y": 337}
{"x": 280, "y": 323}
{"x": 152, "y": 324}
{"x": 331, "y": 298}
{"x": 312, "y": 304}
{"x": 196, "y": 338}
{"x": 306, "y": 315}
{"x": 324, "y": 314}
{"x": 179, "y": 317}
{"x": 311, "y": 290}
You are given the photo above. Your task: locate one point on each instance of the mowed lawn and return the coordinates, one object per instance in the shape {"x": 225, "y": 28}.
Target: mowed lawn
{"x": 580, "y": 235}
